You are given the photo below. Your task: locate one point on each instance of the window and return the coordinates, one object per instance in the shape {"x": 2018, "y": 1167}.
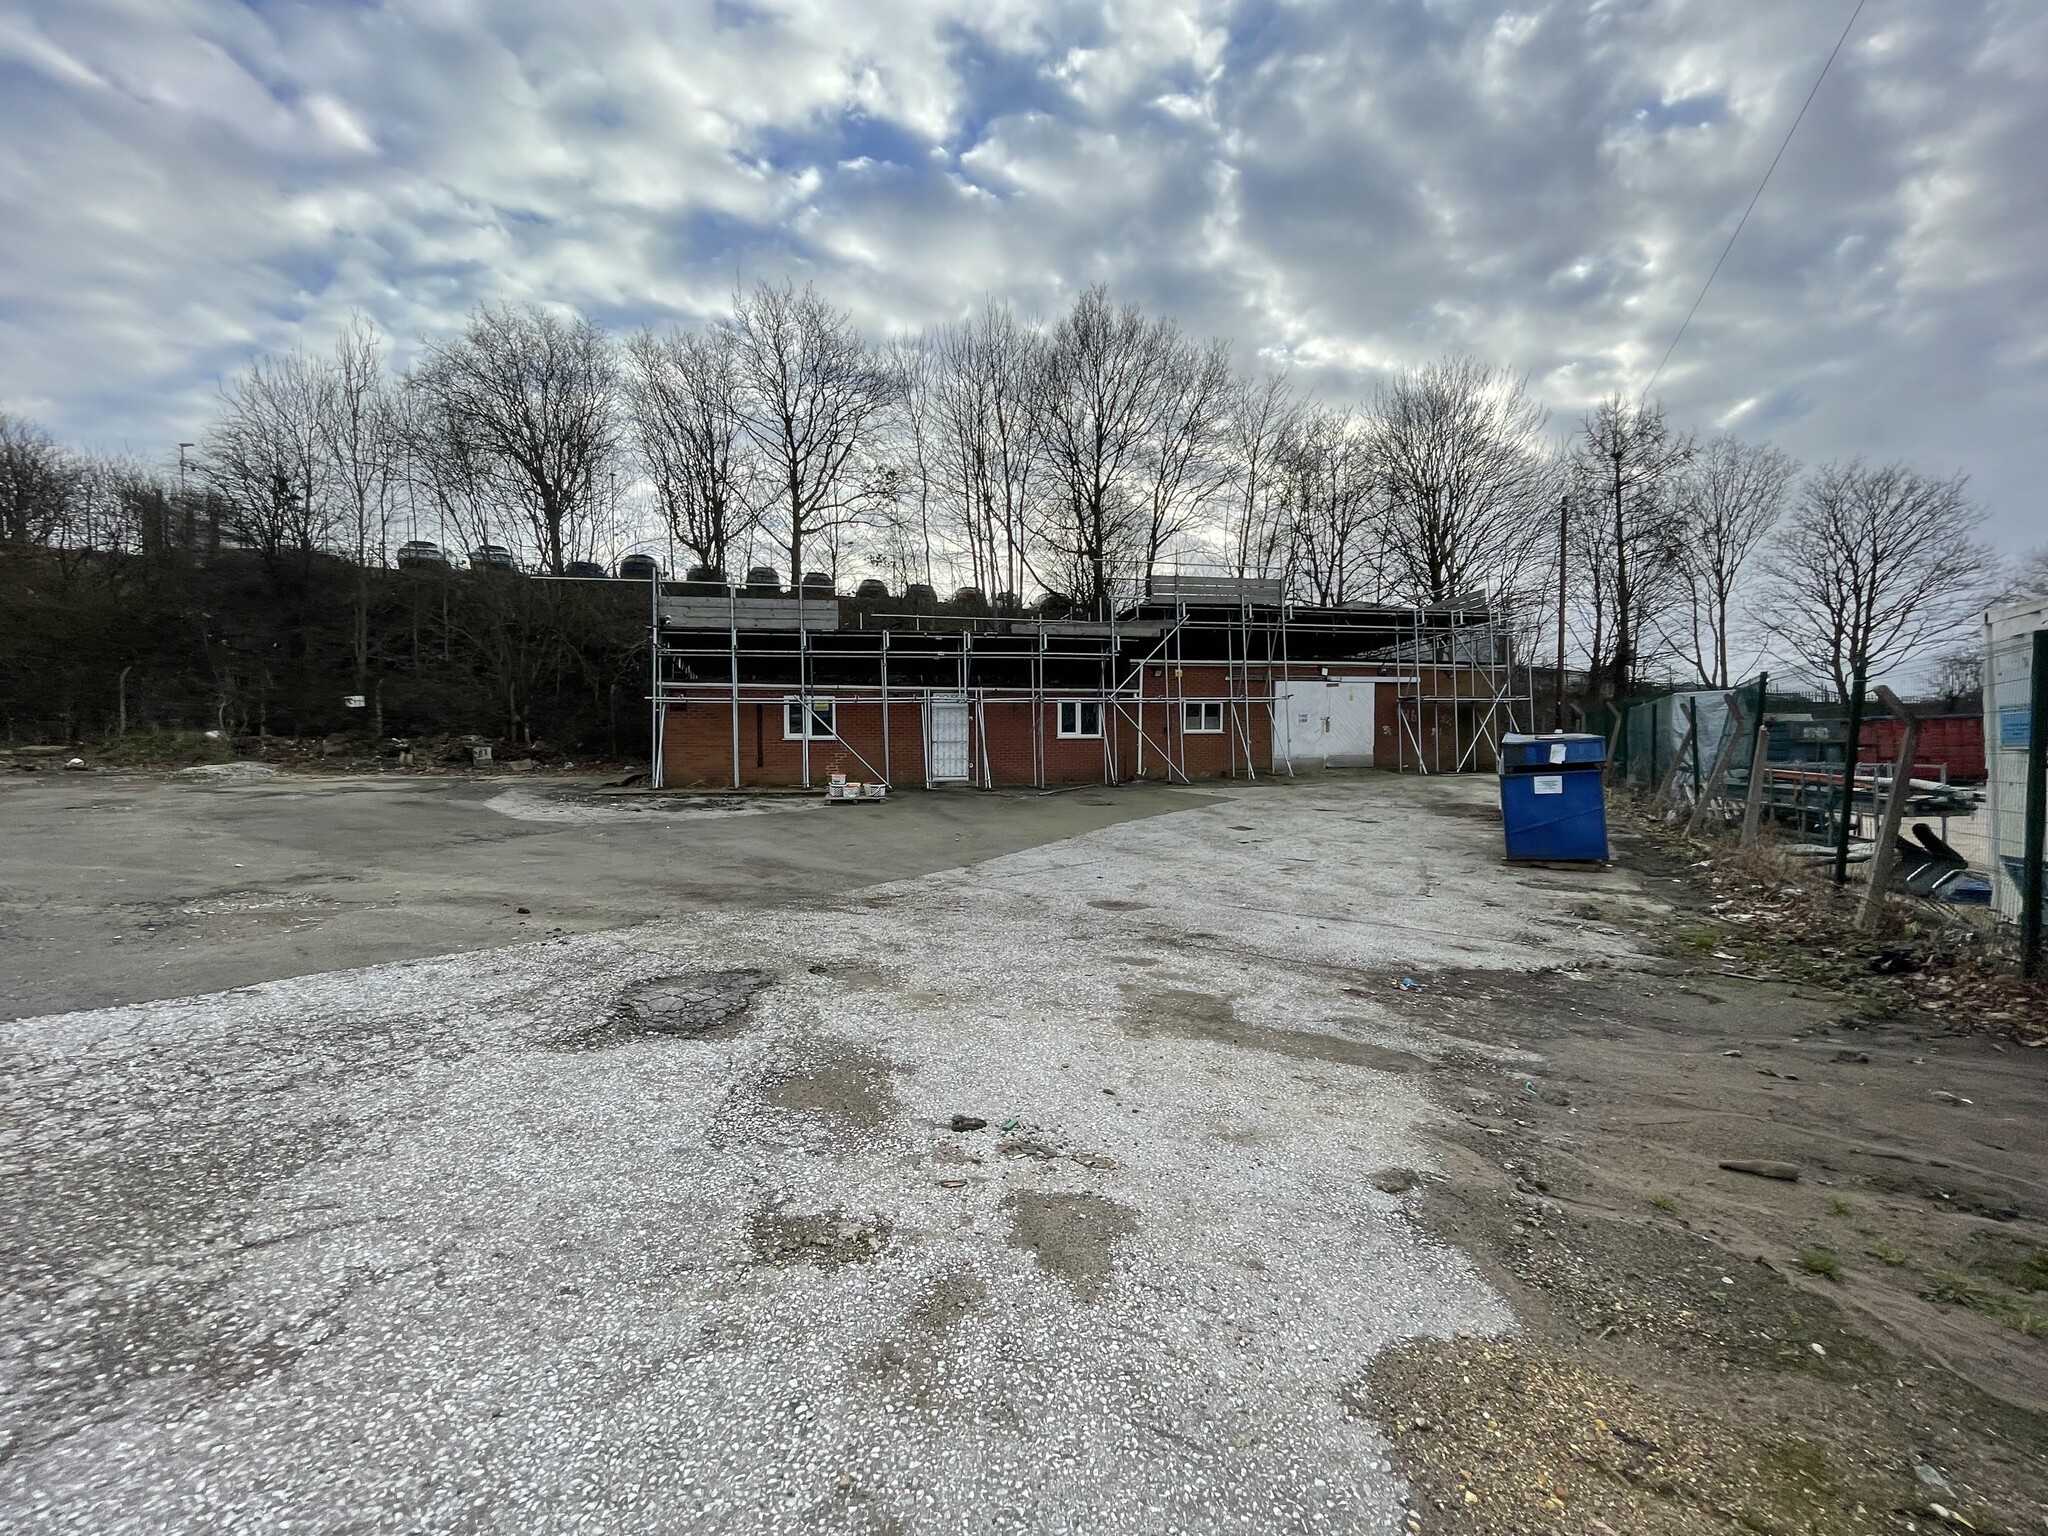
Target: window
{"x": 820, "y": 722}
{"x": 1202, "y": 717}
{"x": 1080, "y": 717}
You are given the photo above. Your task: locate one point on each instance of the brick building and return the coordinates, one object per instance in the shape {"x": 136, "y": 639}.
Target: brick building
{"x": 1205, "y": 678}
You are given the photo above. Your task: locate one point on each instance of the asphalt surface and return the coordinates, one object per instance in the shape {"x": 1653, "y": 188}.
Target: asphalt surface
{"x": 666, "y": 1228}
{"x": 125, "y": 888}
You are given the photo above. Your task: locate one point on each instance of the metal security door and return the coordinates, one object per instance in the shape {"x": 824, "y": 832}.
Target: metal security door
{"x": 946, "y": 737}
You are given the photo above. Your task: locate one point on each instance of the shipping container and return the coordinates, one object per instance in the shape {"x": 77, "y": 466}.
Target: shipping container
{"x": 1954, "y": 742}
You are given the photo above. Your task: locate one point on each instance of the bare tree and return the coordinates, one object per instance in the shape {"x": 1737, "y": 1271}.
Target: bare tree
{"x": 524, "y": 399}
{"x": 814, "y": 401}
{"x": 1094, "y": 412}
{"x": 981, "y": 456}
{"x": 2030, "y": 577}
{"x": 266, "y": 458}
{"x": 1458, "y": 452}
{"x": 1956, "y": 680}
{"x": 39, "y": 484}
{"x": 1874, "y": 564}
{"x": 1728, "y": 498}
{"x": 359, "y": 436}
{"x": 1259, "y": 423}
{"x": 1188, "y": 470}
{"x": 1621, "y": 467}
{"x": 1334, "y": 528}
{"x": 682, "y": 394}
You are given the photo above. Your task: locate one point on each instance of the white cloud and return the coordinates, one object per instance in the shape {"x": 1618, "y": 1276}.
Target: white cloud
{"x": 1344, "y": 187}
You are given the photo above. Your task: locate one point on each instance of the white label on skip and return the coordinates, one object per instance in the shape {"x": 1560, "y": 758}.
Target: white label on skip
{"x": 1549, "y": 783}
{"x": 1557, "y": 751}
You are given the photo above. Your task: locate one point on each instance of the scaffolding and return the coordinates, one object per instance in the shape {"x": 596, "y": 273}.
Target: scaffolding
{"x": 1235, "y": 644}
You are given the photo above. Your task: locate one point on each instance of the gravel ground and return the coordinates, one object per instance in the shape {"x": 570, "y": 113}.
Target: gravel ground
{"x": 539, "y": 1239}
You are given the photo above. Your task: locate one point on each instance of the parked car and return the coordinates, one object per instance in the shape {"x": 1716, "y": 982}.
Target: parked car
{"x": 706, "y": 579}
{"x": 816, "y": 584}
{"x": 585, "y": 568}
{"x": 764, "y": 581}
{"x": 970, "y": 600}
{"x": 872, "y": 590}
{"x": 919, "y": 597}
{"x": 639, "y": 568}
{"x": 492, "y": 557}
{"x": 421, "y": 555}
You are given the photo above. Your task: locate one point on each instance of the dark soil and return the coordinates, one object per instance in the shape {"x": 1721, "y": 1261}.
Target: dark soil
{"x": 1862, "y": 1350}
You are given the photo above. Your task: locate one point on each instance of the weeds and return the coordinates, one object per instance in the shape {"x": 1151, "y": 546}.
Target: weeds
{"x": 1889, "y": 1253}
{"x": 1665, "y": 1203}
{"x": 1819, "y": 1261}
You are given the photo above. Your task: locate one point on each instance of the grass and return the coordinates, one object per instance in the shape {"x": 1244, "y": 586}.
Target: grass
{"x": 1819, "y": 1261}
{"x": 1953, "y": 1288}
{"x": 1843, "y": 1208}
{"x": 1889, "y": 1253}
{"x": 1665, "y": 1203}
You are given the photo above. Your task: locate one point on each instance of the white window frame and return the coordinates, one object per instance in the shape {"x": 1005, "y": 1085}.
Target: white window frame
{"x": 1194, "y": 711}
{"x": 1060, "y": 719}
{"x": 824, "y": 711}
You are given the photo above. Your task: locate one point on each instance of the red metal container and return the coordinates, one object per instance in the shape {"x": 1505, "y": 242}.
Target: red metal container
{"x": 1954, "y": 741}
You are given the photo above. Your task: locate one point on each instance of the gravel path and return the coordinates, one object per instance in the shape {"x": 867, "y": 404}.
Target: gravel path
{"x": 668, "y": 1228}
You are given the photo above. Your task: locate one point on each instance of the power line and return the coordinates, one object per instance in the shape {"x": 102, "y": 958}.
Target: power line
{"x": 1752, "y": 203}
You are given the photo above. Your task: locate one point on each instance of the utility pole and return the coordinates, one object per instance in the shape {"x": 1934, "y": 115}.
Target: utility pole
{"x": 1564, "y": 528}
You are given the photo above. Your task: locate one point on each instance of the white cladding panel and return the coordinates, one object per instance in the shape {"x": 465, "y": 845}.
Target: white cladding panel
{"x": 2008, "y": 693}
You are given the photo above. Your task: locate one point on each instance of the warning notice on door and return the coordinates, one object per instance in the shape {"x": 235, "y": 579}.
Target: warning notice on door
{"x": 1549, "y": 784}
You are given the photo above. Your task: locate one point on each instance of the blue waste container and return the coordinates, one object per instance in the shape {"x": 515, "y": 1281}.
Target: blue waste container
{"x": 1552, "y": 802}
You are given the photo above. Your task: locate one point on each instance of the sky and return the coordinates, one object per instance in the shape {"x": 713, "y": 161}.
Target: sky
{"x": 1339, "y": 188}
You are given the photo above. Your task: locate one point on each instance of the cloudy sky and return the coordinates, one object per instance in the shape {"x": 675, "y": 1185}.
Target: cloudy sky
{"x": 1338, "y": 187}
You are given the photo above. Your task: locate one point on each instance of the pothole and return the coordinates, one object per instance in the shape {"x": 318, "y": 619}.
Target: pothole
{"x": 688, "y": 1005}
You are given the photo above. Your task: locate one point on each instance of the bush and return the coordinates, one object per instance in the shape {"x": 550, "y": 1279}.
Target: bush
{"x": 179, "y": 747}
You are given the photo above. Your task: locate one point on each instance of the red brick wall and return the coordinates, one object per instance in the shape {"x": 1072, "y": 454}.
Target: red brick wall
{"x": 697, "y": 742}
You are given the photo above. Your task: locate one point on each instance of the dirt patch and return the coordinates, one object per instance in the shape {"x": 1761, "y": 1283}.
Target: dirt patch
{"x": 1190, "y": 1015}
{"x": 914, "y": 1363}
{"x": 686, "y": 1006}
{"x": 1514, "y": 1439}
{"x": 831, "y": 1239}
{"x": 1704, "y": 1350}
{"x": 851, "y": 1089}
{"x": 1073, "y": 1236}
{"x": 1107, "y": 905}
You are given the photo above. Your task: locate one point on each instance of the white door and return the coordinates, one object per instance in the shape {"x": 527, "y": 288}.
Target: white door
{"x": 946, "y": 737}
{"x": 1299, "y": 727}
{"x": 1348, "y": 710}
